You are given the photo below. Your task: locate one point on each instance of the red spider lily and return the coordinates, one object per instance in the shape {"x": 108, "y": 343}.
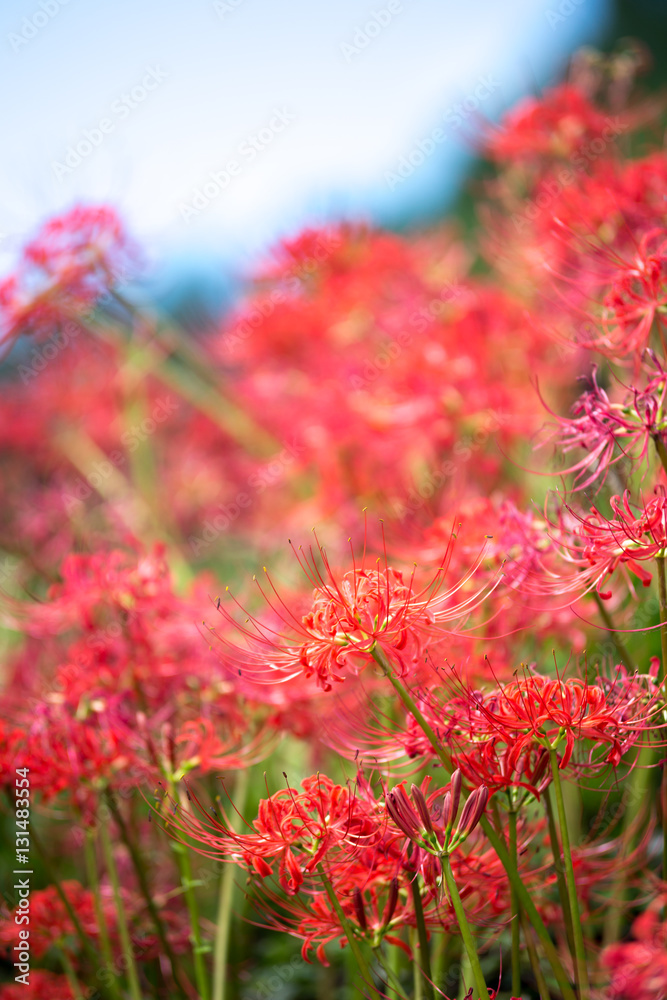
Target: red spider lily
{"x": 599, "y": 545}
{"x": 480, "y": 753}
{"x": 295, "y": 829}
{"x": 629, "y": 278}
{"x": 41, "y": 984}
{"x": 75, "y": 260}
{"x": 51, "y": 923}
{"x": 198, "y": 745}
{"x": 374, "y": 892}
{"x": 609, "y": 432}
{"x": 535, "y": 711}
{"x": 430, "y": 822}
{"x": 80, "y": 755}
{"x": 500, "y": 737}
{"x": 375, "y": 901}
{"x": 637, "y": 299}
{"x": 350, "y": 618}
{"x": 637, "y": 969}
{"x": 540, "y": 131}
{"x": 492, "y": 762}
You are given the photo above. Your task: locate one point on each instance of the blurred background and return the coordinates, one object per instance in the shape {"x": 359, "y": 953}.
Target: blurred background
{"x": 218, "y": 126}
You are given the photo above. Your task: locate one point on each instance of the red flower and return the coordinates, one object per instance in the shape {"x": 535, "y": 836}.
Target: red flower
{"x": 637, "y": 299}
{"x": 295, "y": 829}
{"x": 536, "y": 711}
{"x": 599, "y": 545}
{"x": 549, "y": 128}
{"x": 74, "y": 260}
{"x": 351, "y": 617}
{"x": 40, "y": 986}
{"x": 637, "y": 969}
{"x": 609, "y": 432}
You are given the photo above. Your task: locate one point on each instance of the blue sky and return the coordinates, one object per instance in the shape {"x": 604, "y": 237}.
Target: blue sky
{"x": 159, "y": 94}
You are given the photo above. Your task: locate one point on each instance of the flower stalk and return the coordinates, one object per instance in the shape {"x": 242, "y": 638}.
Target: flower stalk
{"x": 123, "y": 929}
{"x": 577, "y": 931}
{"x": 464, "y": 927}
{"x": 422, "y": 936}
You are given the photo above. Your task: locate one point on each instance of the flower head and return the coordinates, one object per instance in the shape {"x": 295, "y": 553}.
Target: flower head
{"x": 74, "y": 260}
{"x": 350, "y": 617}
{"x": 294, "y": 830}
{"x": 611, "y": 431}
{"x": 600, "y": 545}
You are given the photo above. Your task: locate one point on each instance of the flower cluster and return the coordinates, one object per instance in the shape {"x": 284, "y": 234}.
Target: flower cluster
{"x": 464, "y": 672}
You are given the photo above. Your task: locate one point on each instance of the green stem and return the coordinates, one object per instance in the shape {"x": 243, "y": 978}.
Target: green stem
{"x": 94, "y": 883}
{"x": 409, "y": 703}
{"x": 465, "y": 975}
{"x": 70, "y": 973}
{"x": 662, "y": 596}
{"x": 417, "y": 979}
{"x": 438, "y": 958}
{"x": 466, "y": 933}
{"x": 86, "y": 943}
{"x": 424, "y": 954}
{"x": 346, "y": 927}
{"x": 636, "y": 793}
{"x": 662, "y": 593}
{"x": 577, "y": 932}
{"x": 388, "y": 967}
{"x": 623, "y": 654}
{"x": 142, "y": 879}
{"x": 516, "y": 930}
{"x": 496, "y": 842}
{"x": 529, "y": 908}
{"x": 560, "y": 874}
{"x": 123, "y": 931}
{"x": 198, "y": 948}
{"x": 226, "y": 900}
{"x": 534, "y": 960}
{"x": 661, "y": 450}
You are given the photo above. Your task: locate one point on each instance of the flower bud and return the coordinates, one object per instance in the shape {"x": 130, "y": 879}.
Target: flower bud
{"x": 358, "y": 901}
{"x": 422, "y": 808}
{"x": 455, "y": 788}
{"x": 472, "y": 810}
{"x": 392, "y": 900}
{"x": 402, "y": 813}
{"x": 447, "y": 810}
{"x": 541, "y": 766}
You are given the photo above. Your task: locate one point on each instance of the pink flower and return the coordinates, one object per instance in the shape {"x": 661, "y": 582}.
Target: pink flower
{"x": 637, "y": 969}
{"x": 73, "y": 262}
